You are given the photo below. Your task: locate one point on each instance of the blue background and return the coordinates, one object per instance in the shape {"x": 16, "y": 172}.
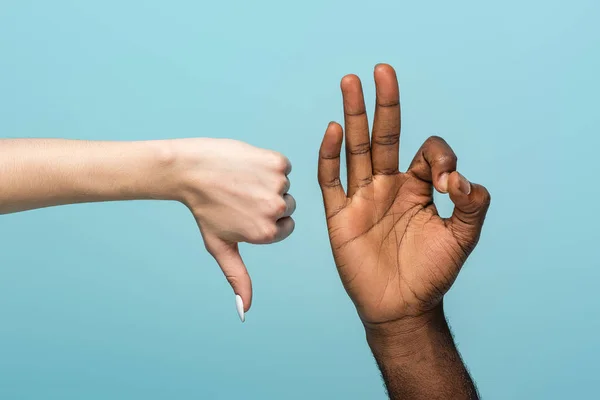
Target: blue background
{"x": 120, "y": 300}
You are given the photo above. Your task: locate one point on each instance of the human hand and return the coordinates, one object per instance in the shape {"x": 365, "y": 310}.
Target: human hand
{"x": 237, "y": 193}
{"x": 395, "y": 255}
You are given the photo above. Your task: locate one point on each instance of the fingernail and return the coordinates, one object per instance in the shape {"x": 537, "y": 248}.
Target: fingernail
{"x": 239, "y": 305}
{"x": 443, "y": 182}
{"x": 464, "y": 185}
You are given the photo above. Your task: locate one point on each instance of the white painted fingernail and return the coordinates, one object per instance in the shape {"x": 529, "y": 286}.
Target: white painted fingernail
{"x": 239, "y": 304}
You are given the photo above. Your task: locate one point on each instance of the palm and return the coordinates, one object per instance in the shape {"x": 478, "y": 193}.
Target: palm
{"x": 396, "y": 256}
{"x": 412, "y": 256}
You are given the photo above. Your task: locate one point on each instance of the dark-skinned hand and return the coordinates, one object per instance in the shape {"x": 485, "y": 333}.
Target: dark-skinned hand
{"x": 395, "y": 255}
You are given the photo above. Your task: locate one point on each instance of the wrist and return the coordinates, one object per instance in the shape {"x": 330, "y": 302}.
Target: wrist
{"x": 156, "y": 170}
{"x": 418, "y": 358}
{"x": 187, "y": 169}
{"x": 406, "y": 336}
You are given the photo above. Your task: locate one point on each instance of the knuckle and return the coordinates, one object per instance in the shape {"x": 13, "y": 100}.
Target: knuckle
{"x": 434, "y": 139}
{"x": 366, "y": 181}
{"x": 209, "y": 249}
{"x": 330, "y": 183}
{"x": 388, "y": 171}
{"x": 486, "y": 197}
{"x": 280, "y": 207}
{"x": 280, "y": 162}
{"x": 268, "y": 232}
{"x": 445, "y": 159}
{"x": 437, "y": 152}
{"x": 276, "y": 206}
{"x": 283, "y": 185}
{"x": 360, "y": 149}
{"x": 387, "y": 139}
{"x": 232, "y": 279}
{"x": 209, "y": 245}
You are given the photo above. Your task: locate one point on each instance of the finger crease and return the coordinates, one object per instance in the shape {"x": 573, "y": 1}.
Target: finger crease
{"x": 387, "y": 139}
{"x": 365, "y": 181}
{"x": 356, "y": 114}
{"x": 387, "y": 105}
{"x": 335, "y": 182}
{"x": 360, "y": 149}
{"x": 387, "y": 171}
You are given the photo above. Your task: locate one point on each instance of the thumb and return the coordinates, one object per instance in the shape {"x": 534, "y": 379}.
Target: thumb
{"x": 229, "y": 259}
{"x": 471, "y": 202}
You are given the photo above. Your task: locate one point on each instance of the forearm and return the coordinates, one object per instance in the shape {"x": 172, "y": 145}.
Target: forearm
{"x": 419, "y": 360}
{"x": 37, "y": 173}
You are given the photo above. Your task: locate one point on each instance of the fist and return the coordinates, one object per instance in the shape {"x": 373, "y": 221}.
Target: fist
{"x": 237, "y": 193}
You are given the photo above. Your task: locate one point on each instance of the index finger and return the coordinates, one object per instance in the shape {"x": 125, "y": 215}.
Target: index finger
{"x": 334, "y": 196}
